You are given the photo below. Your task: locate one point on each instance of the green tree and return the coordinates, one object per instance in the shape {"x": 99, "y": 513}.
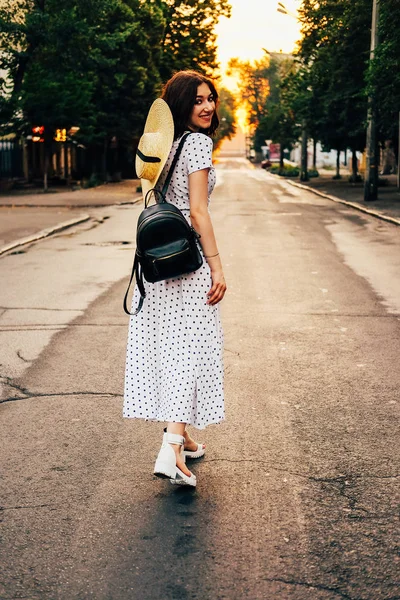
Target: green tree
{"x": 268, "y": 103}
{"x": 98, "y": 64}
{"x": 83, "y": 63}
{"x": 227, "y": 117}
{"x": 126, "y": 80}
{"x": 384, "y": 74}
{"x": 333, "y": 55}
{"x": 279, "y": 120}
{"x": 189, "y": 39}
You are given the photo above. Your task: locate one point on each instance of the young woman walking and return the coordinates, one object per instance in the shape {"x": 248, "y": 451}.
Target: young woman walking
{"x": 174, "y": 368}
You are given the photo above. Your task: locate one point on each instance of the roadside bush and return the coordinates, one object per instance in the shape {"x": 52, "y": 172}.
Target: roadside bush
{"x": 287, "y": 171}
{"x": 313, "y": 173}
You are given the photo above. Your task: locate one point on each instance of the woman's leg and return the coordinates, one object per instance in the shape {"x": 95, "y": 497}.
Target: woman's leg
{"x": 190, "y": 444}
{"x": 178, "y": 429}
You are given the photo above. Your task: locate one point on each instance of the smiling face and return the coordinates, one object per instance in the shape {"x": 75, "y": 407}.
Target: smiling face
{"x": 203, "y": 109}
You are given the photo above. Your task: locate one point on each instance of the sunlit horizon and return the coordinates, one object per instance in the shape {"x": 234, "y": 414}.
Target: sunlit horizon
{"x": 253, "y": 26}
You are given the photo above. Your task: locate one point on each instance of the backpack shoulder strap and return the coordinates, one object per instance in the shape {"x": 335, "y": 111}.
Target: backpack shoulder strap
{"x": 173, "y": 165}
{"x": 136, "y": 271}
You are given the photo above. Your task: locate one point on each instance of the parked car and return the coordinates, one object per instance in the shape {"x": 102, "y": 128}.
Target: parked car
{"x": 265, "y": 164}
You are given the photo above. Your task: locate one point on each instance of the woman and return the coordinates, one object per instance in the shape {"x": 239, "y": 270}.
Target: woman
{"x": 174, "y": 370}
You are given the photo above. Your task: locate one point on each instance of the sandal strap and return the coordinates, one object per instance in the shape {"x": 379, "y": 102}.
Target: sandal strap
{"x": 173, "y": 438}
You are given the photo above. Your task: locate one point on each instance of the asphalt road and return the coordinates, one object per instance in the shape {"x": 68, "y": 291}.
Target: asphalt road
{"x": 298, "y": 494}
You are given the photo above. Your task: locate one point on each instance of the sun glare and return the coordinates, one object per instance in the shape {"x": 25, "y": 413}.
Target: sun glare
{"x": 241, "y": 117}
{"x": 254, "y": 25}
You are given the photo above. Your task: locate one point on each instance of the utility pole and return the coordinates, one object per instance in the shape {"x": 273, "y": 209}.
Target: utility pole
{"x": 371, "y": 166}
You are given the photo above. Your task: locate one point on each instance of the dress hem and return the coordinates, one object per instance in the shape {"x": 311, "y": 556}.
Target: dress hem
{"x": 217, "y": 422}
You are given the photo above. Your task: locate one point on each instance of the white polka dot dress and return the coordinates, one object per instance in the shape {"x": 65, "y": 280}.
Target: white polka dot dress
{"x": 174, "y": 366}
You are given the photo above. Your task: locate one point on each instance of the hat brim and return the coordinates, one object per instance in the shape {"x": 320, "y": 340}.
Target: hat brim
{"x": 159, "y": 120}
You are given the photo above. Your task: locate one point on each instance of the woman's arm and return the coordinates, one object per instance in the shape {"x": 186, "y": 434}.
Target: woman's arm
{"x": 201, "y": 221}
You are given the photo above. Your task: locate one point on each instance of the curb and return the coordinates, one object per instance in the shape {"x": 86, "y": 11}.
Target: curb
{"x": 123, "y": 203}
{"x": 43, "y": 234}
{"x": 372, "y": 213}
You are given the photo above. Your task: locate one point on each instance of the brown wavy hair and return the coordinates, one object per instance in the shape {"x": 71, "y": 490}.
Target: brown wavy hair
{"x": 180, "y": 94}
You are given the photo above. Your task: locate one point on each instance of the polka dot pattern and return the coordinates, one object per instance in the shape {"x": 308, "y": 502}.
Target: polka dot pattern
{"x": 174, "y": 361}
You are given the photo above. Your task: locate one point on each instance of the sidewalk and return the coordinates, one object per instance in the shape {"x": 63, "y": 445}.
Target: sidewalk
{"x": 123, "y": 192}
{"x": 29, "y": 214}
{"x": 387, "y": 205}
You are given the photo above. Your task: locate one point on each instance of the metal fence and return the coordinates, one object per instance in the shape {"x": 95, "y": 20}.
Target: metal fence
{"x": 11, "y": 162}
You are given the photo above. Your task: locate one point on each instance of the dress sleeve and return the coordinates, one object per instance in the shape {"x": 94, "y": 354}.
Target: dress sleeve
{"x": 199, "y": 152}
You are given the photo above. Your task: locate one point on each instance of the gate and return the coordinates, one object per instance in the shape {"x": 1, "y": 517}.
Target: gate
{"x": 11, "y": 162}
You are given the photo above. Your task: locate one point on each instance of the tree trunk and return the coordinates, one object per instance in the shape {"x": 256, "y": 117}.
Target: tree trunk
{"x": 104, "y": 161}
{"x": 304, "y": 166}
{"x": 314, "y": 158}
{"x": 354, "y": 167}
{"x": 46, "y": 170}
{"x": 338, "y": 176}
{"x": 281, "y": 163}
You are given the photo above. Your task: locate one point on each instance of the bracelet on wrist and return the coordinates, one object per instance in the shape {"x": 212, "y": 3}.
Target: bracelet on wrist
{"x": 212, "y": 256}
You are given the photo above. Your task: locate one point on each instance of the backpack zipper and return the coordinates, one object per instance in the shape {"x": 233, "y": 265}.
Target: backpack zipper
{"x": 170, "y": 255}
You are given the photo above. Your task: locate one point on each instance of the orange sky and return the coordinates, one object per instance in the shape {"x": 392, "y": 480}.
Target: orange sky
{"x": 256, "y": 24}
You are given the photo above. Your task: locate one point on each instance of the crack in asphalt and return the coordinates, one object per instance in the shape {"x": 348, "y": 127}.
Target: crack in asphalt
{"x": 38, "y": 308}
{"x": 2, "y": 508}
{"x": 232, "y": 351}
{"x": 373, "y": 517}
{"x": 32, "y": 396}
{"x": 44, "y": 327}
{"x": 341, "y": 484}
{"x": 22, "y": 358}
{"x": 310, "y": 477}
{"x": 10, "y": 383}
{"x": 315, "y": 586}
{"x": 33, "y": 328}
{"x": 28, "y": 395}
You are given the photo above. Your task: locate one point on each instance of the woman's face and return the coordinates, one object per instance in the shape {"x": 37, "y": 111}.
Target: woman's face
{"x": 203, "y": 109}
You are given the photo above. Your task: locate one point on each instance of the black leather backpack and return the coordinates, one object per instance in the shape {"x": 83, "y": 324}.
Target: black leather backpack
{"x": 166, "y": 245}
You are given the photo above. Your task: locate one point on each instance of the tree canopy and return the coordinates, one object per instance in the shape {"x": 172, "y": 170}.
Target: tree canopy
{"x": 326, "y": 87}
{"x": 384, "y": 73}
{"x": 333, "y": 59}
{"x": 270, "y": 110}
{"x": 98, "y": 64}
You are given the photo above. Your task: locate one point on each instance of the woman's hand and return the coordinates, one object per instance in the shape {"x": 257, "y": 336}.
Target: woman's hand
{"x": 218, "y": 289}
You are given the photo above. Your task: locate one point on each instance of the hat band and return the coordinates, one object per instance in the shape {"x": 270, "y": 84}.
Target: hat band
{"x": 148, "y": 159}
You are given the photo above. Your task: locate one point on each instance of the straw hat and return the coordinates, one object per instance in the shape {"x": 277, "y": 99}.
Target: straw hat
{"x": 154, "y": 145}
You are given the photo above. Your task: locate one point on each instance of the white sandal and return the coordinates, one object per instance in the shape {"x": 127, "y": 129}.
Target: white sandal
{"x": 166, "y": 462}
{"x": 195, "y": 453}
{"x": 189, "y": 453}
